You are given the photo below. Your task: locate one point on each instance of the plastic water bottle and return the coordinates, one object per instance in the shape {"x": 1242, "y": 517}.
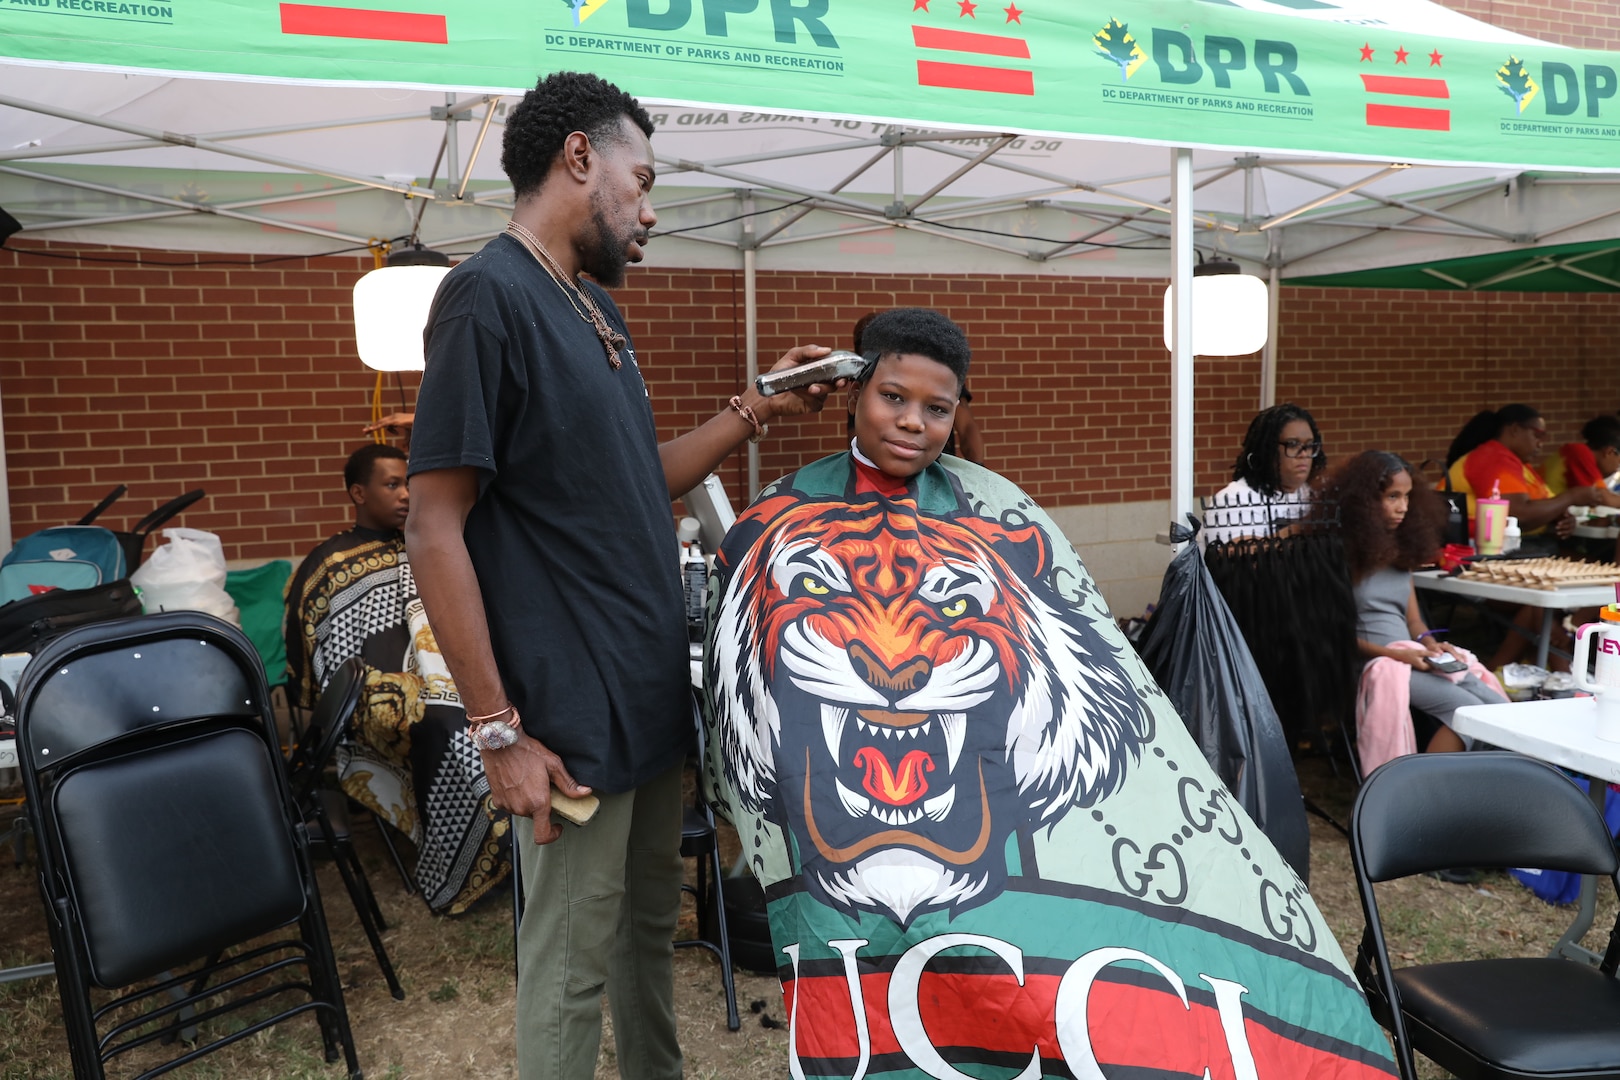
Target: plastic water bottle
{"x": 1510, "y": 536}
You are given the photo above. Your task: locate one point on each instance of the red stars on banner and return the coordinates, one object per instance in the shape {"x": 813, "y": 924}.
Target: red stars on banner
{"x": 970, "y": 45}
{"x": 1380, "y": 114}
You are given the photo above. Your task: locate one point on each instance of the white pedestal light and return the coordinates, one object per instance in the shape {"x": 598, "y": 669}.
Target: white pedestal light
{"x": 391, "y": 308}
{"x": 1229, "y": 311}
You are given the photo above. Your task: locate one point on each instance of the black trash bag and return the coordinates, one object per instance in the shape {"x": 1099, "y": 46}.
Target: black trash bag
{"x": 1198, "y": 656}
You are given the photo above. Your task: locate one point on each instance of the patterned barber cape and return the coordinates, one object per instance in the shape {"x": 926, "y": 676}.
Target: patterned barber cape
{"x": 410, "y": 761}
{"x": 988, "y": 844}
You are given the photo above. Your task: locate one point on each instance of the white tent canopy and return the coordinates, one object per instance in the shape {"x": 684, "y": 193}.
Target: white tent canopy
{"x": 246, "y": 159}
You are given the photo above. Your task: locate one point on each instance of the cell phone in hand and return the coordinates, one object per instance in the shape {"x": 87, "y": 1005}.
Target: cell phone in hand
{"x": 838, "y": 364}
{"x": 1446, "y": 664}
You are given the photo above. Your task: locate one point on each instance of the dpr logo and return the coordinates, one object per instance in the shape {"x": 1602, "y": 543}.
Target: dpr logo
{"x": 584, "y": 9}
{"x": 1180, "y": 62}
{"x": 788, "y": 17}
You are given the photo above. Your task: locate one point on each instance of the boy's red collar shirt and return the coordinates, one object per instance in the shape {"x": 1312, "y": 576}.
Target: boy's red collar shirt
{"x": 871, "y": 479}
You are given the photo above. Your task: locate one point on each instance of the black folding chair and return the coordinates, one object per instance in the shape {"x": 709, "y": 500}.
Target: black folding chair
{"x": 1519, "y": 1017}
{"x": 328, "y": 807}
{"x": 168, "y": 841}
{"x": 701, "y": 842}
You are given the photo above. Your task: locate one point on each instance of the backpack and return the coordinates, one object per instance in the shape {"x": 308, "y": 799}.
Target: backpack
{"x": 64, "y": 557}
{"x": 27, "y": 624}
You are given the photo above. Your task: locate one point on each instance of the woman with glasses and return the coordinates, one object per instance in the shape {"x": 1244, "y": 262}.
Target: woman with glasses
{"x": 1498, "y": 451}
{"x": 1270, "y": 488}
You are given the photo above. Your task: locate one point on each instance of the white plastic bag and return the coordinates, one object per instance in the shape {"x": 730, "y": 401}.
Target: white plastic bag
{"x": 187, "y": 573}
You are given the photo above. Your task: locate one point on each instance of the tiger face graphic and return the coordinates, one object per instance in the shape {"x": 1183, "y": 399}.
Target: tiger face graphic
{"x": 902, "y": 692}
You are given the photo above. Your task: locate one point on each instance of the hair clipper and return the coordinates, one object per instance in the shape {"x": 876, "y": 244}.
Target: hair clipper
{"x": 838, "y": 364}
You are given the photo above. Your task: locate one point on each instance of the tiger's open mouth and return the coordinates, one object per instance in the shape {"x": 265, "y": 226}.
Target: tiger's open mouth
{"x": 893, "y": 777}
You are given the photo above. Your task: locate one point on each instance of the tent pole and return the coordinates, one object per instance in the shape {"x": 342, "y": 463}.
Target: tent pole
{"x": 1181, "y": 352}
{"x": 1268, "y": 355}
{"x": 750, "y": 328}
{"x": 5, "y": 495}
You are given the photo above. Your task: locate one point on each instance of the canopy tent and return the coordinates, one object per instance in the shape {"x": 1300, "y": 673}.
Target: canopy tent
{"x": 1321, "y": 137}
{"x": 953, "y": 131}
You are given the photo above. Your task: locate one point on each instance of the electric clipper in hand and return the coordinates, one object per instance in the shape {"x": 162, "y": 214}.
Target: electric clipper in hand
{"x": 838, "y": 364}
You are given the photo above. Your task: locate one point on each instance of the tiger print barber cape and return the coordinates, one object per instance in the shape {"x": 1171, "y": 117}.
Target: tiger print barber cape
{"x": 988, "y": 844}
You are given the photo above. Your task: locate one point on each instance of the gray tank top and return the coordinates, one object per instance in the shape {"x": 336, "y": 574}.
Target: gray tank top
{"x": 1381, "y": 606}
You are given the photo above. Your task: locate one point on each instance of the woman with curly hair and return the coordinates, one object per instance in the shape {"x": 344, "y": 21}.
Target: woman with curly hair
{"x": 1391, "y": 525}
{"x": 1270, "y": 488}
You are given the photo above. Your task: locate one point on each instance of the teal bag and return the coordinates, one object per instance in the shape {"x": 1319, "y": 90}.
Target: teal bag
{"x": 64, "y": 557}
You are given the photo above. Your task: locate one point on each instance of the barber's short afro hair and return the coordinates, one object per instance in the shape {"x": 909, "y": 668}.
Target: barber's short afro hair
{"x": 560, "y": 104}
{"x": 922, "y": 331}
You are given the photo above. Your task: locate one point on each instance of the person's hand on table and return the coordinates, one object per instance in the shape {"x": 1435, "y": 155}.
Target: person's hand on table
{"x": 1564, "y": 527}
{"x": 520, "y": 780}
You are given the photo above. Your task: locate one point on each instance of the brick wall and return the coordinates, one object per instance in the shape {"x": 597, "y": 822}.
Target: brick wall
{"x": 179, "y": 373}
{"x": 174, "y": 373}
{"x": 1580, "y": 24}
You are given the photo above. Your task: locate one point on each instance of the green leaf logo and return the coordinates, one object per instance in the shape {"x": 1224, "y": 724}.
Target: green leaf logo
{"x": 1514, "y": 81}
{"x": 1114, "y": 43}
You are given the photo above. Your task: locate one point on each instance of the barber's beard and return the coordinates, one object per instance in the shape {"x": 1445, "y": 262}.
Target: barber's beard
{"x": 606, "y": 255}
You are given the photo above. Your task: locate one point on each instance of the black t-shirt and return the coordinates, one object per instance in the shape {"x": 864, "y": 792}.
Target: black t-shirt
{"x": 571, "y": 536}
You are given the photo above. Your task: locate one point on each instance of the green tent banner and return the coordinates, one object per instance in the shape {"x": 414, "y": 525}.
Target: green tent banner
{"x": 1176, "y": 72}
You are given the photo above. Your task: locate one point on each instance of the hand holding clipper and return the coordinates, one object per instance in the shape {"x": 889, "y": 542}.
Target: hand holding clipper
{"x": 838, "y": 364}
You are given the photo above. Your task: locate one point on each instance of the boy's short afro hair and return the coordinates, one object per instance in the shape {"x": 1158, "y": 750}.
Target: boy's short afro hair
{"x": 922, "y": 331}
{"x": 560, "y": 104}
{"x": 362, "y": 464}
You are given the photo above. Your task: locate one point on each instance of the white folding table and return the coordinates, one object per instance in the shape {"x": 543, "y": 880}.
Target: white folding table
{"x": 1550, "y": 601}
{"x": 1560, "y": 731}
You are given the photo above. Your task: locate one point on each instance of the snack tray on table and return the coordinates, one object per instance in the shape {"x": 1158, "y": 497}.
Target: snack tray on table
{"x": 1545, "y": 573}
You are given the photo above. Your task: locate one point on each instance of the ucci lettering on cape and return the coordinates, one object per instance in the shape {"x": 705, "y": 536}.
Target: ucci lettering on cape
{"x": 989, "y": 847}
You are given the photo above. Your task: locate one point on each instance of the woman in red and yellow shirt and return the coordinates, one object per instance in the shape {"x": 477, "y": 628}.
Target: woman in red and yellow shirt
{"x": 1497, "y": 451}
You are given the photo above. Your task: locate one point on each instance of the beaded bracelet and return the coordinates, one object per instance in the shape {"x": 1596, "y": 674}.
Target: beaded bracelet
{"x": 748, "y": 414}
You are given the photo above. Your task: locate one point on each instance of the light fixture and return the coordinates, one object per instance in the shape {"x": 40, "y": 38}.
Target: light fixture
{"x": 391, "y": 308}
{"x": 1229, "y": 310}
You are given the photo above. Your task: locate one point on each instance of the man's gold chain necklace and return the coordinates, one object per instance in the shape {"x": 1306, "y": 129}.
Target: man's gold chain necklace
{"x": 578, "y": 298}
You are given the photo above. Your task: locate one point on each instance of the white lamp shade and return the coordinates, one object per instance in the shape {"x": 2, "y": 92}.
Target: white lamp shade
{"x": 391, "y": 311}
{"x": 1229, "y": 315}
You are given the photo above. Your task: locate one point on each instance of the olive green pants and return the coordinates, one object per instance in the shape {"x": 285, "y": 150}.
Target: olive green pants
{"x": 600, "y": 907}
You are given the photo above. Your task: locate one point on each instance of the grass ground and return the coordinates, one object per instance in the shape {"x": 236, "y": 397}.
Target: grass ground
{"x": 456, "y": 1020}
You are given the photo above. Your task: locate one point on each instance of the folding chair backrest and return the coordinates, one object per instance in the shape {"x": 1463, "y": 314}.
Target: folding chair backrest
{"x": 122, "y": 677}
{"x": 150, "y": 759}
{"x": 1489, "y": 809}
{"x": 328, "y": 723}
{"x": 175, "y": 851}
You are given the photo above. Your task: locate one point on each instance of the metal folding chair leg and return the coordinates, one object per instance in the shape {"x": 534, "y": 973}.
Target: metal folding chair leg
{"x": 386, "y": 833}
